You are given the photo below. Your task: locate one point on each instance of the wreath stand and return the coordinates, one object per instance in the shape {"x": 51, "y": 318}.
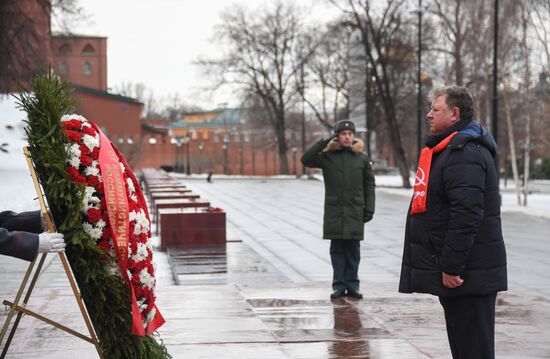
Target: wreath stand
{"x": 21, "y": 309}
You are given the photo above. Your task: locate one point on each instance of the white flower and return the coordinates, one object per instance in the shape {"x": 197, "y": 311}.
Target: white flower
{"x": 113, "y": 269}
{"x": 92, "y": 170}
{"x": 91, "y": 141}
{"x": 101, "y": 224}
{"x": 87, "y": 205}
{"x": 149, "y": 316}
{"x": 96, "y": 233}
{"x": 141, "y": 253}
{"x": 147, "y": 279}
{"x": 75, "y": 162}
{"x": 122, "y": 169}
{"x": 87, "y": 227}
{"x": 89, "y": 191}
{"x": 92, "y": 231}
{"x": 73, "y": 116}
{"x": 141, "y": 304}
{"x": 94, "y": 200}
{"x": 74, "y": 150}
{"x": 130, "y": 185}
{"x": 142, "y": 223}
{"x": 152, "y": 313}
{"x": 134, "y": 198}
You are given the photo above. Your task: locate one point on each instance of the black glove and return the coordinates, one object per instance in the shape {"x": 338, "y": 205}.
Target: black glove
{"x": 367, "y": 216}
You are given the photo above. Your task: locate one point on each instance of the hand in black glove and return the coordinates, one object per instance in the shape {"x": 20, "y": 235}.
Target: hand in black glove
{"x": 368, "y": 216}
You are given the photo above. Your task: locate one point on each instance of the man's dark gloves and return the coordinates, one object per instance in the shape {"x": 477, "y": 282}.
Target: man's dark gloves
{"x": 368, "y": 216}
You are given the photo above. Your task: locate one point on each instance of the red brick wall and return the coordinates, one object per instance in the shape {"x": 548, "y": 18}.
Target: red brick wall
{"x": 211, "y": 158}
{"x": 72, "y": 51}
{"x": 120, "y": 118}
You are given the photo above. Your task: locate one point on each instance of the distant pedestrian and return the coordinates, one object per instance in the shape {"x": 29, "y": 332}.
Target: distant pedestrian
{"x": 209, "y": 177}
{"x": 349, "y": 202}
{"x": 22, "y": 236}
{"x": 453, "y": 237}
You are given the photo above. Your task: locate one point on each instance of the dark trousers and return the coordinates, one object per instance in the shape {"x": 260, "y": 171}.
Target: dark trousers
{"x": 470, "y": 325}
{"x": 345, "y": 256}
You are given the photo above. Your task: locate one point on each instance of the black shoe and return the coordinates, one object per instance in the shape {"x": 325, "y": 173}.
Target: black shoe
{"x": 354, "y": 294}
{"x": 338, "y": 294}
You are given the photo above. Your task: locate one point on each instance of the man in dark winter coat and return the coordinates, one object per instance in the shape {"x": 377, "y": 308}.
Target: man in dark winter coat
{"x": 349, "y": 202}
{"x": 21, "y": 236}
{"x": 453, "y": 238}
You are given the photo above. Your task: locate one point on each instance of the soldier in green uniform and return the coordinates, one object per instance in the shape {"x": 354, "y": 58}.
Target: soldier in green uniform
{"x": 349, "y": 202}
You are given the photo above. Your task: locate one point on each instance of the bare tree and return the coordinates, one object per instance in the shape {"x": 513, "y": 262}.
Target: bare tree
{"x": 540, "y": 19}
{"x": 324, "y": 55}
{"x": 383, "y": 31}
{"x": 259, "y": 61}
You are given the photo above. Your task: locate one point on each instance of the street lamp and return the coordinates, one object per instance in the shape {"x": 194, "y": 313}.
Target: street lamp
{"x": 188, "y": 140}
{"x": 225, "y": 143}
{"x": 294, "y": 150}
{"x": 494, "y": 119}
{"x": 419, "y": 81}
{"x": 201, "y": 147}
{"x": 241, "y": 153}
{"x": 178, "y": 141}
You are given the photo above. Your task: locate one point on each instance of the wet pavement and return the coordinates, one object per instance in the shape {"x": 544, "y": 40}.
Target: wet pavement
{"x": 267, "y": 294}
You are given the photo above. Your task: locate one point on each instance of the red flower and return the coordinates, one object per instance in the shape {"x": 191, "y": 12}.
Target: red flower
{"x": 134, "y": 247}
{"x": 85, "y": 160}
{"x": 93, "y": 180}
{"x": 94, "y": 215}
{"x": 89, "y": 131}
{"x": 75, "y": 175}
{"x": 106, "y": 234}
{"x": 95, "y": 153}
{"x": 104, "y": 245}
{"x": 73, "y": 135}
{"x": 84, "y": 150}
{"x": 72, "y": 124}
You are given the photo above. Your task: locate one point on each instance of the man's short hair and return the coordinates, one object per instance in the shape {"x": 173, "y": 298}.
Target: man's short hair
{"x": 458, "y": 96}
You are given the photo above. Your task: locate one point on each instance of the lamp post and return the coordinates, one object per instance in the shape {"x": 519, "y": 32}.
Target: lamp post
{"x": 225, "y": 159}
{"x": 494, "y": 119}
{"x": 178, "y": 141}
{"x": 302, "y": 89}
{"x": 241, "y": 150}
{"x": 294, "y": 150}
{"x": 419, "y": 81}
{"x": 201, "y": 147}
{"x": 188, "y": 141}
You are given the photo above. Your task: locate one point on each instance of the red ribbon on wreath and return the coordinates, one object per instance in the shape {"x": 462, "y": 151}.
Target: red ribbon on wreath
{"x": 117, "y": 208}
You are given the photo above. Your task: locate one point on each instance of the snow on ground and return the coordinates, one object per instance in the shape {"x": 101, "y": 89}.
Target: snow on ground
{"x": 12, "y": 133}
{"x": 538, "y": 201}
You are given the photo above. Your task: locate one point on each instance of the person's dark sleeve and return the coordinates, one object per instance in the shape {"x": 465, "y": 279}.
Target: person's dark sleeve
{"x": 464, "y": 181}
{"x": 369, "y": 185}
{"x": 22, "y": 245}
{"x": 312, "y": 157}
{"x": 24, "y": 221}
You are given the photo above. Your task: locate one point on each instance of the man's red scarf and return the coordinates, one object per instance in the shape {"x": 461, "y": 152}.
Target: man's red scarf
{"x": 423, "y": 175}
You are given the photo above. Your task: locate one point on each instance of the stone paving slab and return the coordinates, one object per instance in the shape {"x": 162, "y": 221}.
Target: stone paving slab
{"x": 273, "y": 302}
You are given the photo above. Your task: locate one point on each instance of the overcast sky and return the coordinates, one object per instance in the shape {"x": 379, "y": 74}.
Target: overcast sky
{"x": 156, "y": 42}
